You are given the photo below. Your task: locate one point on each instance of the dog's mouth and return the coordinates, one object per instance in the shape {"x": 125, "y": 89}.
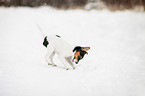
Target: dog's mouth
{"x": 77, "y": 59}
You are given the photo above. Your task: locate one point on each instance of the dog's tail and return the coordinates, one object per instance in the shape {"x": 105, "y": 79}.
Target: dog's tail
{"x": 45, "y": 42}
{"x": 43, "y": 35}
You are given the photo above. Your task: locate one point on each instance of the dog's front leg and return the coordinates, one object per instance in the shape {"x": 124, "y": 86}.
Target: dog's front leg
{"x": 68, "y": 59}
{"x": 63, "y": 60}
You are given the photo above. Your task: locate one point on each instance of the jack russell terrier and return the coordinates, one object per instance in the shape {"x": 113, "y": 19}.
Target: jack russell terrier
{"x": 66, "y": 52}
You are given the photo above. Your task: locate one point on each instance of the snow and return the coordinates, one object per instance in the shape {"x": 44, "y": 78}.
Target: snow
{"x": 115, "y": 65}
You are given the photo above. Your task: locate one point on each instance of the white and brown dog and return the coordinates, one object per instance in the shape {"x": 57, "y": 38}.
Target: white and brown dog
{"x": 66, "y": 52}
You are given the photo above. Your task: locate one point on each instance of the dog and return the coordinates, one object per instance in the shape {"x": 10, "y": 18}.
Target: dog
{"x": 65, "y": 51}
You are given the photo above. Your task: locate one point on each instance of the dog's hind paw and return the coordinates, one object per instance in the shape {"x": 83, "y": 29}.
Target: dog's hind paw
{"x": 54, "y": 65}
{"x": 49, "y": 64}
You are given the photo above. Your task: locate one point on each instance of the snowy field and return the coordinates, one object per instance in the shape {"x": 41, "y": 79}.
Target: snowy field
{"x": 115, "y": 65}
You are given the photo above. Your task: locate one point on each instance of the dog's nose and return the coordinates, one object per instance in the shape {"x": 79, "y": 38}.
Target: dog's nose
{"x": 76, "y": 62}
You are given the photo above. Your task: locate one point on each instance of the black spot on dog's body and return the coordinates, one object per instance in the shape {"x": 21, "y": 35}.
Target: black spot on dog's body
{"x": 58, "y": 36}
{"x": 45, "y": 42}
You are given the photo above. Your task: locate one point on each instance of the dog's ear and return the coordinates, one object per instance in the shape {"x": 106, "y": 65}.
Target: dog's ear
{"x": 85, "y": 48}
{"x": 77, "y": 48}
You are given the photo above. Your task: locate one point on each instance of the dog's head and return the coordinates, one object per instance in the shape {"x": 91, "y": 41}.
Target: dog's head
{"x": 79, "y": 53}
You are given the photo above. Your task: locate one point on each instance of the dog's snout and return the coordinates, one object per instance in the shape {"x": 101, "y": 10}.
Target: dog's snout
{"x": 78, "y": 57}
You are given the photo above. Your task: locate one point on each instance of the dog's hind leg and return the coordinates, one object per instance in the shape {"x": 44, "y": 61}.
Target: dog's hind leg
{"x": 49, "y": 56}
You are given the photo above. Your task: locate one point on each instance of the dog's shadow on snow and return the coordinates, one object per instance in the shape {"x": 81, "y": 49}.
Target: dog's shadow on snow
{"x": 56, "y": 67}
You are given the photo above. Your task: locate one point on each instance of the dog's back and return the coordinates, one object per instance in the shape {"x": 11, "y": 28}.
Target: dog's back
{"x": 60, "y": 46}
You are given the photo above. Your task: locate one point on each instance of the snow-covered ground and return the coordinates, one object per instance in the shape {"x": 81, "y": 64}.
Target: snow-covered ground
{"x": 115, "y": 65}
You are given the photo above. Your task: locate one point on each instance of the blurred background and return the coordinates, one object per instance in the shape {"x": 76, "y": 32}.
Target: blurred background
{"x": 114, "y": 29}
{"x": 87, "y": 4}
